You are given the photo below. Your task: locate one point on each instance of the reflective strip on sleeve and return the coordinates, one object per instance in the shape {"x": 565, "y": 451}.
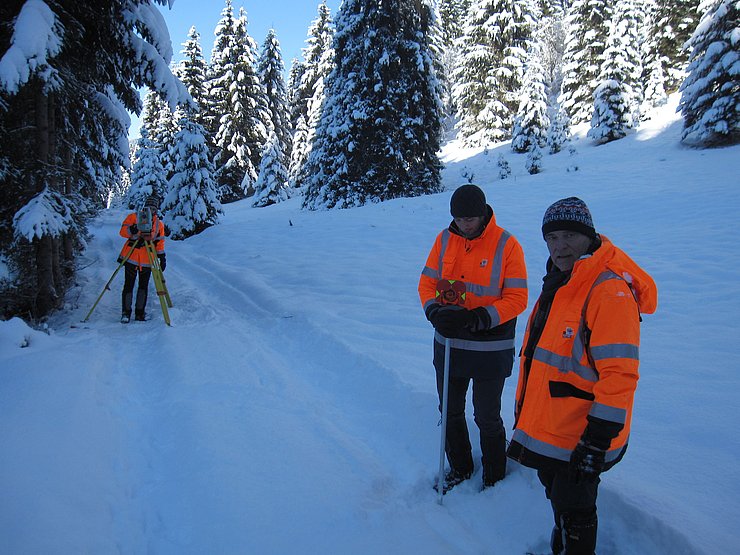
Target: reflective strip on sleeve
{"x": 616, "y": 350}
{"x": 494, "y": 315}
{"x": 515, "y": 283}
{"x": 558, "y": 453}
{"x": 605, "y": 412}
{"x": 430, "y": 272}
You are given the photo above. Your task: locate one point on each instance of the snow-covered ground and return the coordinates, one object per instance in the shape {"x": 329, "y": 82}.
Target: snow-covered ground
{"x": 291, "y": 406}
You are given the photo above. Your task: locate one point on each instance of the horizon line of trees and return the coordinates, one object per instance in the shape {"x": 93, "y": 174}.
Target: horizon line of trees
{"x": 360, "y": 118}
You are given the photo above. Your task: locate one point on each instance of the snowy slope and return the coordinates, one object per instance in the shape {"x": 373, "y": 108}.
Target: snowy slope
{"x": 291, "y": 407}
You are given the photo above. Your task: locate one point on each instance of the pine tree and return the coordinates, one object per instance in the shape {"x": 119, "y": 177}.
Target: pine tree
{"x": 652, "y": 80}
{"x": 379, "y": 130}
{"x": 148, "y": 176}
{"x": 710, "y": 95}
{"x": 531, "y": 122}
{"x": 629, "y": 17}
{"x": 192, "y": 71}
{"x": 534, "y": 160}
{"x": 674, "y": 22}
{"x": 612, "y": 111}
{"x": 587, "y": 25}
{"x": 237, "y": 95}
{"x": 492, "y": 55}
{"x": 308, "y": 95}
{"x": 447, "y": 34}
{"x": 549, "y": 35}
{"x": 559, "y": 132}
{"x": 272, "y": 183}
{"x": 192, "y": 204}
{"x": 270, "y": 71}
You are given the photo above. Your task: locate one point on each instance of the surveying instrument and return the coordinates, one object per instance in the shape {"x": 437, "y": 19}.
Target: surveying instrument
{"x": 147, "y": 233}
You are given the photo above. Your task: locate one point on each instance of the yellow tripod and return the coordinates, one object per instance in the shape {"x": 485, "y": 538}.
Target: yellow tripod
{"x": 164, "y": 296}
{"x": 159, "y": 284}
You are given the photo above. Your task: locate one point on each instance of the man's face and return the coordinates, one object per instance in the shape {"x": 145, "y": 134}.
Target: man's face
{"x": 470, "y": 227}
{"x": 566, "y": 247}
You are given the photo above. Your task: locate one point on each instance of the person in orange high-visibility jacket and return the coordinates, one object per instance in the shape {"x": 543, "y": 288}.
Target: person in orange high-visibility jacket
{"x": 489, "y": 261}
{"x": 138, "y": 263}
{"x": 579, "y": 369}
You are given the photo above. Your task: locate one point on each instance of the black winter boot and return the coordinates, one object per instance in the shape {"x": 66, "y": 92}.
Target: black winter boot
{"x": 556, "y": 540}
{"x": 494, "y": 459}
{"x": 457, "y": 445}
{"x": 452, "y": 478}
{"x": 580, "y": 534}
{"x": 141, "y": 296}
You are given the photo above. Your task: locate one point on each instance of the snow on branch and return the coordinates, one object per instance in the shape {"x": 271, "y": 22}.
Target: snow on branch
{"x": 48, "y": 213}
{"x": 36, "y": 38}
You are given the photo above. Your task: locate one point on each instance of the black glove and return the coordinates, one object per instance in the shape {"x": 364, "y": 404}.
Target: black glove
{"x": 450, "y": 322}
{"x": 586, "y": 463}
{"x": 133, "y": 229}
{"x": 162, "y": 261}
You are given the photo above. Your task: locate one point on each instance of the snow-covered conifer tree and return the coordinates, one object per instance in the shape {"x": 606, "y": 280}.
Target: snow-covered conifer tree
{"x": 379, "y": 131}
{"x": 531, "y": 121}
{"x": 192, "y": 203}
{"x": 272, "y": 183}
{"x": 192, "y": 71}
{"x": 674, "y": 22}
{"x": 534, "y": 159}
{"x": 451, "y": 15}
{"x": 148, "y": 177}
{"x": 308, "y": 96}
{"x": 238, "y": 99}
{"x": 492, "y": 55}
{"x": 559, "y": 132}
{"x": 612, "y": 111}
{"x": 710, "y": 95}
{"x": 270, "y": 69}
{"x": 587, "y": 26}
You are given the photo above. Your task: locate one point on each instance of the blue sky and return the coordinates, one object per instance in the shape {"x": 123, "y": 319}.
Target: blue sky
{"x": 289, "y": 18}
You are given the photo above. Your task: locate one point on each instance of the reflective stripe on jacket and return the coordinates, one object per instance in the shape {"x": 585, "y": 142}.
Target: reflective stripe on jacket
{"x": 586, "y": 360}
{"x": 495, "y": 276}
{"x": 140, "y": 256}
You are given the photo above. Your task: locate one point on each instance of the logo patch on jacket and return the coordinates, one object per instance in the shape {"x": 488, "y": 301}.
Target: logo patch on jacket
{"x": 568, "y": 333}
{"x": 484, "y": 263}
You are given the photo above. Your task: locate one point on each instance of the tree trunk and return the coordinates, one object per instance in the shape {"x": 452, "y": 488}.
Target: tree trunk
{"x": 46, "y": 296}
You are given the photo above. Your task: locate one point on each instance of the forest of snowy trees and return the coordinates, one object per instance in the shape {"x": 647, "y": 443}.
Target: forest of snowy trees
{"x": 360, "y": 118}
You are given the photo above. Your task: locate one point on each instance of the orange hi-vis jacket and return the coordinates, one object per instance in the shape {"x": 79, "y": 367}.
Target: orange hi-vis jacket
{"x": 140, "y": 256}
{"x": 584, "y": 367}
{"x": 495, "y": 276}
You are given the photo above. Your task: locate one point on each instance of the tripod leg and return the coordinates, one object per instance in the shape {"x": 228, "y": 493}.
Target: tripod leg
{"x": 107, "y": 285}
{"x": 158, "y": 280}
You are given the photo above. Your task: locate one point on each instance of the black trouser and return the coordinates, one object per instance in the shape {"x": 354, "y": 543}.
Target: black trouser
{"x": 574, "y": 510}
{"x": 487, "y": 414}
{"x": 130, "y": 271}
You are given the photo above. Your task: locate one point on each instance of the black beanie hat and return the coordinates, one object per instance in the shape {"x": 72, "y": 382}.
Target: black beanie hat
{"x": 468, "y": 201}
{"x": 570, "y": 214}
{"x": 152, "y": 201}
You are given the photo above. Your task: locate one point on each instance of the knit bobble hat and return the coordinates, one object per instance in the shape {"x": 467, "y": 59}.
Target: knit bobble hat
{"x": 468, "y": 201}
{"x": 569, "y": 214}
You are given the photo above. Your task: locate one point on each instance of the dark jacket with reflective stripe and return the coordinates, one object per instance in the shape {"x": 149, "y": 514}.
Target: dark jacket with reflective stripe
{"x": 583, "y": 370}
{"x": 495, "y": 276}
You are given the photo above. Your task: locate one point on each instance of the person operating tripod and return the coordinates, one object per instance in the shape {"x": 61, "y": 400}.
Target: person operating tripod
{"x": 137, "y": 228}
